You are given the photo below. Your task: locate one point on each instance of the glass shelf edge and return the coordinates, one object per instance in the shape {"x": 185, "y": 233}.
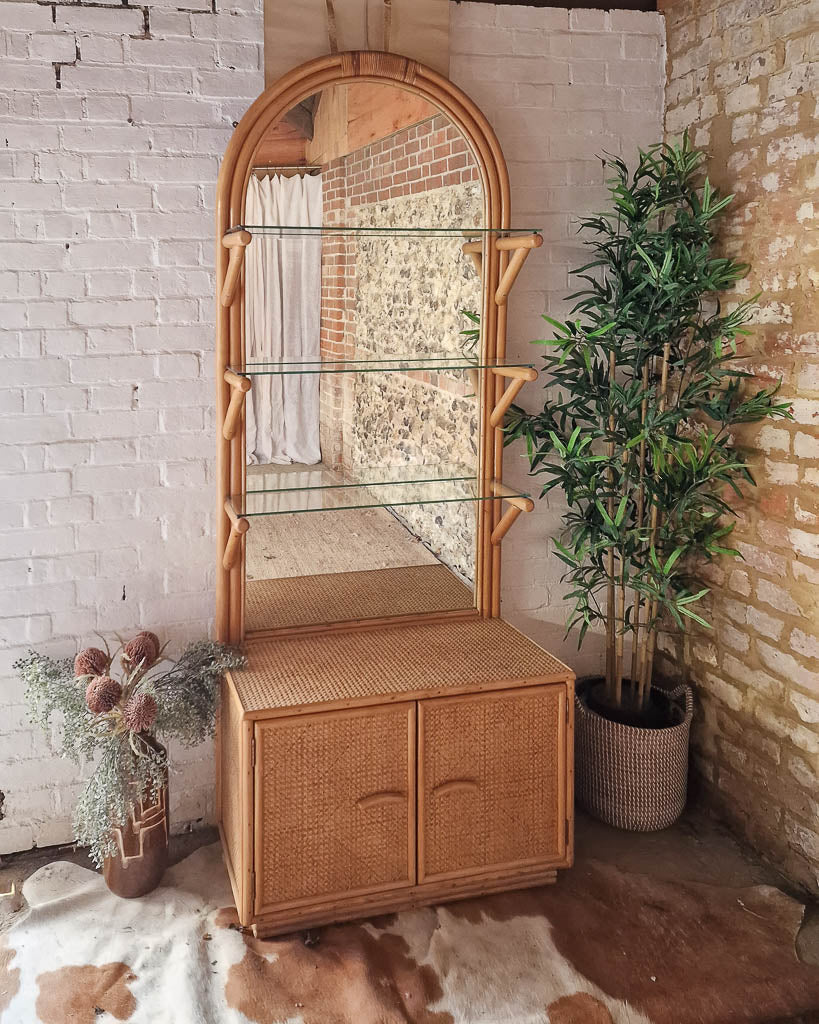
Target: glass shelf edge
{"x": 405, "y": 493}
{"x": 394, "y": 503}
{"x": 295, "y": 230}
{"x": 395, "y": 365}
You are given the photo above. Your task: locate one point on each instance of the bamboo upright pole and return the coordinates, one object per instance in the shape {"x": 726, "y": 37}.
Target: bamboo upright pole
{"x": 637, "y": 605}
{"x": 496, "y": 393}
{"x": 651, "y": 629}
{"x": 610, "y": 609}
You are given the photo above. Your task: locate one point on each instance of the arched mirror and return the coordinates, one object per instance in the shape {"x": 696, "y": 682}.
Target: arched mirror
{"x": 366, "y": 249}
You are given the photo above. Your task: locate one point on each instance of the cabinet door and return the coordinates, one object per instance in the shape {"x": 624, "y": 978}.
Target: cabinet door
{"x": 334, "y": 805}
{"x": 492, "y": 781}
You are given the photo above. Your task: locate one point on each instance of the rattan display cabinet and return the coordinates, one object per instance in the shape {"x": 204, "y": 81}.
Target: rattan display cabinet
{"x": 356, "y": 783}
{"x": 391, "y": 742}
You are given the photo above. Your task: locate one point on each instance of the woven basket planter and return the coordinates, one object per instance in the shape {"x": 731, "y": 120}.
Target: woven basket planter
{"x": 631, "y": 777}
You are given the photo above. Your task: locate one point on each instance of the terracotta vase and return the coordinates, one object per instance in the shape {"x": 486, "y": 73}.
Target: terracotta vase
{"x": 142, "y": 845}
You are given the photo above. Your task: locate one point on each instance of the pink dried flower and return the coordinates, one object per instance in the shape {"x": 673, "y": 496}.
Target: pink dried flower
{"x": 143, "y": 648}
{"x": 139, "y": 714}
{"x": 102, "y": 694}
{"x": 150, "y": 636}
{"x": 91, "y": 662}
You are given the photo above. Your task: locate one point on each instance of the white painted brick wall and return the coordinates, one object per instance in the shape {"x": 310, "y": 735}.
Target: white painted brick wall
{"x": 560, "y": 88}
{"x": 106, "y": 212}
{"x": 106, "y": 242}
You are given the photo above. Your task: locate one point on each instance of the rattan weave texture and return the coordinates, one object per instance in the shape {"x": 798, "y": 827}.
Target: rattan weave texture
{"x": 447, "y": 655}
{"x": 506, "y": 748}
{"x": 633, "y": 778}
{"x": 230, "y": 746}
{"x": 344, "y": 596}
{"x": 316, "y": 838}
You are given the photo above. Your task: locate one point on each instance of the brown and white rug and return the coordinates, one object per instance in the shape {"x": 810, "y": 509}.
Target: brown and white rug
{"x": 601, "y": 946}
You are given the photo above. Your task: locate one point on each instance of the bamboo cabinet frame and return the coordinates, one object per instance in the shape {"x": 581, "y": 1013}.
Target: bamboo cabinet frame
{"x": 325, "y": 680}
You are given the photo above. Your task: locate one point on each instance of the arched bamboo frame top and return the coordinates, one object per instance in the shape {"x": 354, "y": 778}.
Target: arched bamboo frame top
{"x": 234, "y": 175}
{"x": 361, "y": 66}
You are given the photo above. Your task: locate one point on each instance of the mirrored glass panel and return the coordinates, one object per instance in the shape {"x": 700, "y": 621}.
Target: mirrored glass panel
{"x": 362, "y": 295}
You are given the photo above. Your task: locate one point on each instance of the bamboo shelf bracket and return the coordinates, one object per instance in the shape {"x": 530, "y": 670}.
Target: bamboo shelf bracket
{"x": 475, "y": 251}
{"x": 517, "y": 503}
{"x": 235, "y": 242}
{"x": 239, "y": 526}
{"x": 521, "y": 245}
{"x": 518, "y": 375}
{"x": 239, "y": 387}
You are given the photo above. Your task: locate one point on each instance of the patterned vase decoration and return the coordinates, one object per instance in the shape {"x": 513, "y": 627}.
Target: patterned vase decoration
{"x": 142, "y": 844}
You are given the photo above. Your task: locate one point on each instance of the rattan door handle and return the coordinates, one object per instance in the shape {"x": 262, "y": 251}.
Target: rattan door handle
{"x": 454, "y": 785}
{"x": 389, "y": 796}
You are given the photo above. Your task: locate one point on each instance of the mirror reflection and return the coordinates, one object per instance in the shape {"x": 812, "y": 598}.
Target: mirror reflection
{"x": 361, "y": 343}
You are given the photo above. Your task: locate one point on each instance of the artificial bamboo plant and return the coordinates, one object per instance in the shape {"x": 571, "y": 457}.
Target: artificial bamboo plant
{"x": 645, "y": 391}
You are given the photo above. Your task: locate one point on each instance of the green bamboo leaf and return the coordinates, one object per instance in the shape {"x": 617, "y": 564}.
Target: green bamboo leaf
{"x": 697, "y": 618}
{"x": 558, "y": 326}
{"x": 564, "y": 552}
{"x": 601, "y": 509}
{"x": 670, "y": 561}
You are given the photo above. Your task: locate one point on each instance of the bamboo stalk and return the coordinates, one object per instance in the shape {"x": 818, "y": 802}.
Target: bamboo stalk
{"x": 651, "y": 630}
{"x": 610, "y": 610}
{"x": 620, "y": 639}
{"x": 637, "y": 605}
{"x": 621, "y": 613}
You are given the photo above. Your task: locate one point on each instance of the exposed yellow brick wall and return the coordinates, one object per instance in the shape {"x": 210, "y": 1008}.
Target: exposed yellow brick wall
{"x": 742, "y": 75}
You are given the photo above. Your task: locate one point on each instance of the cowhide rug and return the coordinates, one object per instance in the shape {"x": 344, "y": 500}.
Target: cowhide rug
{"x": 601, "y": 946}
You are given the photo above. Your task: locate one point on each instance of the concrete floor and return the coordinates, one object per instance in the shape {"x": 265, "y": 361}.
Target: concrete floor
{"x": 696, "y": 849}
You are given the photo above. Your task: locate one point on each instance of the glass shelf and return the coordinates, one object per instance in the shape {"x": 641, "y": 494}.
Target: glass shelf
{"x": 329, "y": 230}
{"x": 273, "y": 492}
{"x": 391, "y": 365}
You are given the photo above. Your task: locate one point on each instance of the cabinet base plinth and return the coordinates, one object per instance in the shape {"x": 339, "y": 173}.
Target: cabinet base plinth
{"x": 269, "y": 925}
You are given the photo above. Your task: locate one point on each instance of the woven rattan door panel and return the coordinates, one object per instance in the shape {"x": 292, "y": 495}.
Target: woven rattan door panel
{"x": 492, "y": 781}
{"x": 334, "y": 805}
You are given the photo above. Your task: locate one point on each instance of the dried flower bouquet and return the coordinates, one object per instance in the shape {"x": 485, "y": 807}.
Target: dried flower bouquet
{"x": 98, "y": 715}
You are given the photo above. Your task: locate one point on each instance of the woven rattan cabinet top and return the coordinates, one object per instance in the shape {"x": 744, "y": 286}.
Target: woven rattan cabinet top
{"x": 409, "y": 662}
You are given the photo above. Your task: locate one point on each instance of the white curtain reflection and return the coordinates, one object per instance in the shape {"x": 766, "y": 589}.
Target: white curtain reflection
{"x": 283, "y": 319}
